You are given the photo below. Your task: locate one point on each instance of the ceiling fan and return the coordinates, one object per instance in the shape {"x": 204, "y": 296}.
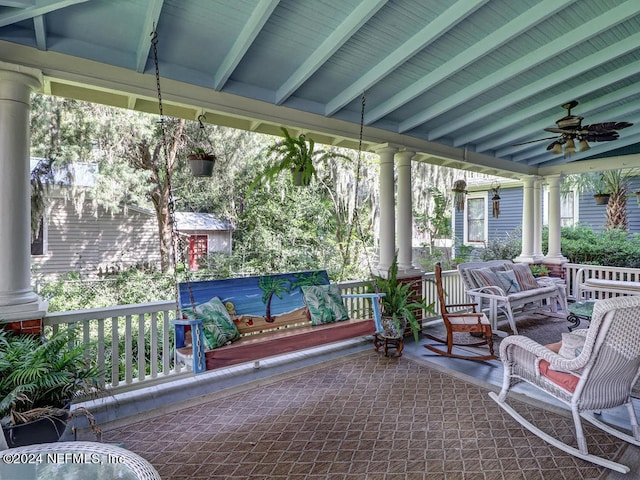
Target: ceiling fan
{"x": 570, "y": 129}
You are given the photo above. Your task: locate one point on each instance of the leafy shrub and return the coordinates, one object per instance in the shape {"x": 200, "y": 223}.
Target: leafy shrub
{"x": 506, "y": 248}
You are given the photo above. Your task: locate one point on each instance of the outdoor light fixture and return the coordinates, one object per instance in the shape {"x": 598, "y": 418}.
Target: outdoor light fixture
{"x": 569, "y": 147}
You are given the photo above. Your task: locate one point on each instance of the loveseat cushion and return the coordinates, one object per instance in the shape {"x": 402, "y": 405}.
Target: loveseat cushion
{"x": 508, "y": 281}
{"x": 324, "y": 303}
{"x": 486, "y": 277}
{"x": 526, "y": 280}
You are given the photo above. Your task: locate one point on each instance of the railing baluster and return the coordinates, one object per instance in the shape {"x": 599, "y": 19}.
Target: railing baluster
{"x": 128, "y": 354}
{"x": 115, "y": 354}
{"x": 153, "y": 353}
{"x": 142, "y": 358}
{"x": 101, "y": 356}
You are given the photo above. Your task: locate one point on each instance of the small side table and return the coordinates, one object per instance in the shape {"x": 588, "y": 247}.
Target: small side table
{"x": 580, "y": 311}
{"x": 381, "y": 340}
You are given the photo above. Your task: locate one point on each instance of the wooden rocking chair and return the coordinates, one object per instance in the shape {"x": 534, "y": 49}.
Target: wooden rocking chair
{"x": 600, "y": 377}
{"x": 470, "y": 322}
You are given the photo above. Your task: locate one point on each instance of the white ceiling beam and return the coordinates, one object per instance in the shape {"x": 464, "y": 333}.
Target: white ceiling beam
{"x": 540, "y": 55}
{"x": 519, "y": 134}
{"x": 40, "y": 30}
{"x": 557, "y": 78}
{"x": 586, "y": 109}
{"x": 624, "y": 113}
{"x": 526, "y": 132}
{"x": 416, "y": 43}
{"x": 473, "y": 54}
{"x": 595, "y": 165}
{"x": 596, "y": 149}
{"x": 251, "y": 29}
{"x": 17, "y": 3}
{"x": 42, "y": 8}
{"x": 358, "y": 17}
{"x": 151, "y": 18}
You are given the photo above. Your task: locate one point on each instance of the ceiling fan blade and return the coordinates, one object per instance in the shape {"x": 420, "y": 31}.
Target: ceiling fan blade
{"x": 601, "y": 136}
{"x": 533, "y": 141}
{"x": 606, "y": 126}
{"x": 559, "y": 130}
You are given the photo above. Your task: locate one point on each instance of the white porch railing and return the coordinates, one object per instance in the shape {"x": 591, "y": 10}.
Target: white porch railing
{"x": 134, "y": 344}
{"x": 453, "y": 288}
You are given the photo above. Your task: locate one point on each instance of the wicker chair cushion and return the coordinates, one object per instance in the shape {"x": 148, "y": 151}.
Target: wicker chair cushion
{"x": 562, "y": 379}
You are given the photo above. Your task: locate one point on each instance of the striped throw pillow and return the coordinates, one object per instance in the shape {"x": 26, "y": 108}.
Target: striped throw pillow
{"x": 485, "y": 277}
{"x": 524, "y": 276}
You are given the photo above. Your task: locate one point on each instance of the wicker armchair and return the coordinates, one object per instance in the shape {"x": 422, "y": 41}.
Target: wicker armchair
{"x": 600, "y": 375}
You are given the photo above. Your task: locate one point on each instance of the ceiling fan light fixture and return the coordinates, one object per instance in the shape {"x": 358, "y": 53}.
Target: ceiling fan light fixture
{"x": 583, "y": 146}
{"x": 557, "y": 149}
{"x": 570, "y": 147}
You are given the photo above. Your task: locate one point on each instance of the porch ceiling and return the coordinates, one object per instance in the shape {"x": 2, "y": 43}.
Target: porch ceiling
{"x": 459, "y": 82}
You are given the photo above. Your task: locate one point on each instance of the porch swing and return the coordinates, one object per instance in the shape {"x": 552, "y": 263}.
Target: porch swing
{"x": 247, "y": 319}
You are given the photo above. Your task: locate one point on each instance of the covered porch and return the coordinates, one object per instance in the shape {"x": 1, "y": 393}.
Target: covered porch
{"x": 456, "y": 85}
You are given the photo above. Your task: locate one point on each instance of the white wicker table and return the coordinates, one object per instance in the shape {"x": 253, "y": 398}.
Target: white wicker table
{"x": 74, "y": 460}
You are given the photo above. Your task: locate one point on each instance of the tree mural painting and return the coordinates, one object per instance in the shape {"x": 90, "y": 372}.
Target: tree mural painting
{"x": 271, "y": 286}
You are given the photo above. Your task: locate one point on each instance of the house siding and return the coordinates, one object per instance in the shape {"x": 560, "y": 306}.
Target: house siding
{"x": 589, "y": 214}
{"x": 92, "y": 240}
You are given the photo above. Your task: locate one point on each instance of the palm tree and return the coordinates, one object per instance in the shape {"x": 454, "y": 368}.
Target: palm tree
{"x": 613, "y": 182}
{"x": 271, "y": 286}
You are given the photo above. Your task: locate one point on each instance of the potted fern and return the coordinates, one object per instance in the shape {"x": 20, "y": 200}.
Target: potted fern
{"x": 38, "y": 381}
{"x": 399, "y": 306}
{"x": 297, "y": 155}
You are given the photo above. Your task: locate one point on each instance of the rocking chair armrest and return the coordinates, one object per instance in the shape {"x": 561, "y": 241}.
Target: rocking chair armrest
{"x": 473, "y": 305}
{"x": 518, "y": 347}
{"x": 477, "y": 316}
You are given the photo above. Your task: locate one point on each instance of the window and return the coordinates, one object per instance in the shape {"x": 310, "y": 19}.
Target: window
{"x": 568, "y": 208}
{"x": 475, "y": 220}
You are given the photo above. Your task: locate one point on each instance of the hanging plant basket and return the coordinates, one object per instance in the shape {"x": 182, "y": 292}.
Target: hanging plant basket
{"x": 601, "y": 198}
{"x": 300, "y": 177}
{"x": 201, "y": 164}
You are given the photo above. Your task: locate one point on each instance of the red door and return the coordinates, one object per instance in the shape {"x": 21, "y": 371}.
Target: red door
{"x": 198, "y": 248}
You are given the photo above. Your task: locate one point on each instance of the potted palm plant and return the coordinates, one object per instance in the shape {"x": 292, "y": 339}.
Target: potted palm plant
{"x": 297, "y": 155}
{"x": 399, "y": 306}
{"x": 38, "y": 381}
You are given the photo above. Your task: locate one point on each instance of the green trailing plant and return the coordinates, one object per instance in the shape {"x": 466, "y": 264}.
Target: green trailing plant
{"x": 39, "y": 377}
{"x": 539, "y": 270}
{"x": 297, "y": 155}
{"x": 399, "y": 302}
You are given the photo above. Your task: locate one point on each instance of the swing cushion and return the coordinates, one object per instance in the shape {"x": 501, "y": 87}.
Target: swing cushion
{"x": 217, "y": 327}
{"x": 324, "y": 303}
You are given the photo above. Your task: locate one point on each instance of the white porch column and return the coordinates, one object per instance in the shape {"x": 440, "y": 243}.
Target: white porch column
{"x": 526, "y": 256}
{"x": 387, "y": 232}
{"x": 17, "y": 299}
{"x": 554, "y": 255}
{"x": 404, "y": 212}
{"x": 537, "y": 220}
